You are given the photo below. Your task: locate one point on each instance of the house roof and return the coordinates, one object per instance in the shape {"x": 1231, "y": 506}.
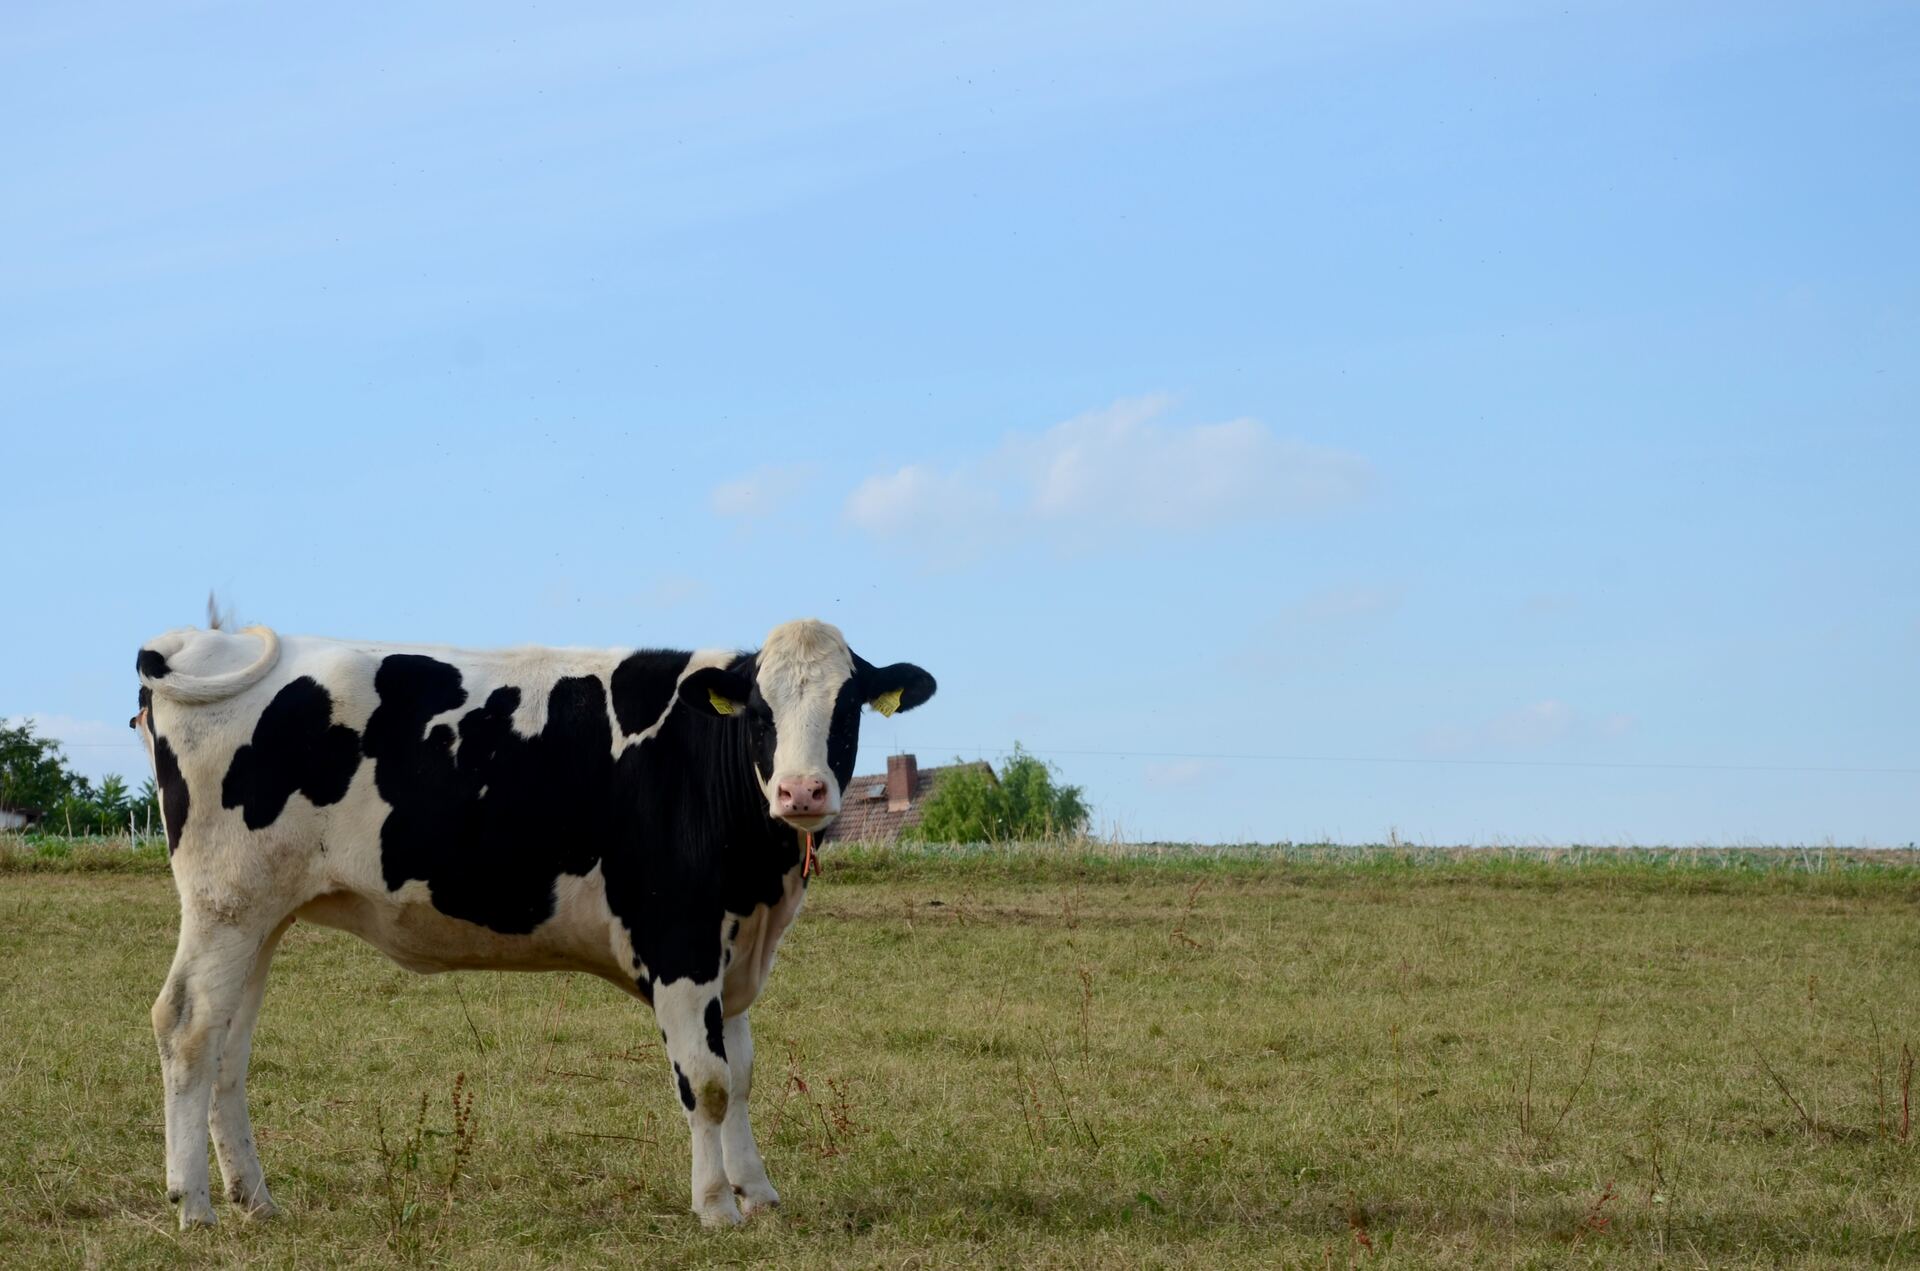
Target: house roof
{"x": 864, "y": 817}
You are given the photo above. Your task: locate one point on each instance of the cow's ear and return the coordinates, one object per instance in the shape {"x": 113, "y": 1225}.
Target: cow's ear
{"x": 716, "y": 691}
{"x": 899, "y": 687}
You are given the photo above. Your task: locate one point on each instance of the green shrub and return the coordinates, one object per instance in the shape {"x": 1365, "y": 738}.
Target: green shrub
{"x": 1026, "y": 802}
{"x": 35, "y": 778}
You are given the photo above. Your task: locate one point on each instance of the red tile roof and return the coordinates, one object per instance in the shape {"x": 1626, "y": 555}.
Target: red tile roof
{"x": 864, "y": 816}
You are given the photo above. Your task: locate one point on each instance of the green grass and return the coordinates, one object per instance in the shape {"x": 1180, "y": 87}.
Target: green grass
{"x": 1084, "y": 1057}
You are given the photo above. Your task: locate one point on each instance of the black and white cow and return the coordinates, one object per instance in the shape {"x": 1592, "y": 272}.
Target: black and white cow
{"x": 638, "y": 815}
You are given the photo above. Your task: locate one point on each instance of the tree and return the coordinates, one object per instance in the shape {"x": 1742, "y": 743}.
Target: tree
{"x": 146, "y": 806}
{"x": 74, "y": 814}
{"x": 1025, "y": 803}
{"x": 110, "y": 804}
{"x": 34, "y": 776}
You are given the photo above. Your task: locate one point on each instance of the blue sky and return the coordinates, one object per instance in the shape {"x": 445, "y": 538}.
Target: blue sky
{"x": 1524, "y": 397}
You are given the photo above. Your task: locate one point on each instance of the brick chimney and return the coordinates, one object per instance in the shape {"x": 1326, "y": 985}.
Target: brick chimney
{"x": 902, "y": 772}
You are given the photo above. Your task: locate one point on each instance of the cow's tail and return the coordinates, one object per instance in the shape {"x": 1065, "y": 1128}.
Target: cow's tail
{"x": 177, "y": 686}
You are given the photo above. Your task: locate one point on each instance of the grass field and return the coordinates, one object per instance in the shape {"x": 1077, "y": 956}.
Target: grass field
{"x": 1311, "y": 1057}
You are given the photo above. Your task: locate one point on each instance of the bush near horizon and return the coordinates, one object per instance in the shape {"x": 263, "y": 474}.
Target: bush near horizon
{"x": 1026, "y": 802}
{"x": 35, "y": 779}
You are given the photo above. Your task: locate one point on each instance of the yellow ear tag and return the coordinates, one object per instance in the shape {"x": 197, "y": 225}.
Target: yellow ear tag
{"x": 888, "y": 702}
{"x": 721, "y": 705}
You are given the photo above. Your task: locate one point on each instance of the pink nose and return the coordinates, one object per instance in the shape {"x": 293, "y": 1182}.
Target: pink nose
{"x": 802, "y": 796}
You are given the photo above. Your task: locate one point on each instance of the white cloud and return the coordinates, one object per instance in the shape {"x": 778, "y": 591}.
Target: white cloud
{"x": 1319, "y": 628}
{"x": 1104, "y": 473}
{"x": 1342, "y": 605}
{"x": 763, "y": 491}
{"x": 917, "y": 501}
{"x": 1179, "y": 773}
{"x": 1541, "y": 725}
{"x": 1549, "y": 604}
{"x": 1535, "y": 724}
{"x": 671, "y": 590}
{"x": 1617, "y": 724}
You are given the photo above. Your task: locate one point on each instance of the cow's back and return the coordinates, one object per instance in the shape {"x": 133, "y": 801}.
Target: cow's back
{"x": 452, "y": 806}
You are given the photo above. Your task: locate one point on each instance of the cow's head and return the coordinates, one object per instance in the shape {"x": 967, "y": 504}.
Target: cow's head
{"x": 799, "y": 699}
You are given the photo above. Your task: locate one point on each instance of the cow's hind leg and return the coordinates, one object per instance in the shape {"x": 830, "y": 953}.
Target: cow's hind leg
{"x": 745, "y": 1170}
{"x": 690, "y": 1022}
{"x": 191, "y": 1021}
{"x": 233, "y": 1141}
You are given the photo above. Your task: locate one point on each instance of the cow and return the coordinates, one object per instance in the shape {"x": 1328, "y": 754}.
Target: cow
{"x": 638, "y": 814}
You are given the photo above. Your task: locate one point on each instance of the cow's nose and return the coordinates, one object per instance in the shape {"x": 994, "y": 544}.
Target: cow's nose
{"x": 802, "y": 796}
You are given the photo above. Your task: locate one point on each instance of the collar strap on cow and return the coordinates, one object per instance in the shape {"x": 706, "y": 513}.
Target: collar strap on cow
{"x": 809, "y": 863}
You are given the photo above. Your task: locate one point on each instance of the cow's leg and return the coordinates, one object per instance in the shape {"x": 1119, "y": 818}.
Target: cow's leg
{"x": 690, "y": 1021}
{"x": 191, "y": 1019}
{"x": 232, "y": 1128}
{"x": 745, "y": 1170}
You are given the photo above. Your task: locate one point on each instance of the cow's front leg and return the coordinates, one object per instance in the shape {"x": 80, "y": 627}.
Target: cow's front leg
{"x": 745, "y": 1170}
{"x": 690, "y": 1022}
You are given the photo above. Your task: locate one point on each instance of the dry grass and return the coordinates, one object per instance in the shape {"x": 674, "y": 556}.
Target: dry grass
{"x": 1050, "y": 1059}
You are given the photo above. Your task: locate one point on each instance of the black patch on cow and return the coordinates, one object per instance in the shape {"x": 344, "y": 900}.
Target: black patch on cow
{"x": 763, "y": 731}
{"x": 296, "y": 747}
{"x": 172, "y": 784}
{"x": 695, "y": 842}
{"x": 412, "y": 688}
{"x": 152, "y": 664}
{"x": 489, "y": 826}
{"x": 686, "y": 1090}
{"x": 491, "y": 820}
{"x": 733, "y": 932}
{"x": 843, "y": 733}
{"x": 181, "y": 1002}
{"x": 914, "y": 685}
{"x": 642, "y": 687}
{"x": 716, "y": 1029}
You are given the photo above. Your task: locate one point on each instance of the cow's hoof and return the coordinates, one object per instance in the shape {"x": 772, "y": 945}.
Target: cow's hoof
{"x": 721, "y": 1213}
{"x": 257, "y": 1204}
{"x": 757, "y": 1200}
{"x": 196, "y": 1210}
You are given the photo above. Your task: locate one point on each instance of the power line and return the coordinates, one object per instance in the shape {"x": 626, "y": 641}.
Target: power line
{"x": 1429, "y": 760}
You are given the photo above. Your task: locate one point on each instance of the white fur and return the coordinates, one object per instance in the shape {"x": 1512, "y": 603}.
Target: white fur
{"x": 749, "y": 959}
{"x": 745, "y": 1170}
{"x": 202, "y": 663}
{"x": 801, "y": 668}
{"x": 239, "y": 889}
{"x": 681, "y": 1007}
